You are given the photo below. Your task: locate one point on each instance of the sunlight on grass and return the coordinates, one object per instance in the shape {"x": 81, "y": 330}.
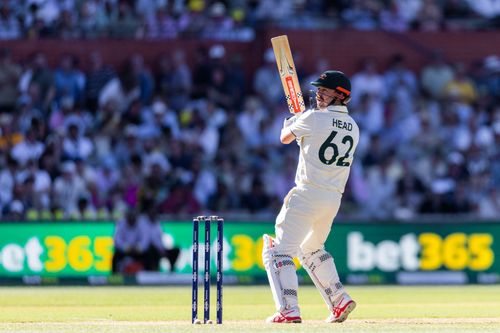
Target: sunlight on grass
{"x": 167, "y": 309}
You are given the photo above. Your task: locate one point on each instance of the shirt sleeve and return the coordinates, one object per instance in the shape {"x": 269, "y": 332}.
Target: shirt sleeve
{"x": 304, "y": 125}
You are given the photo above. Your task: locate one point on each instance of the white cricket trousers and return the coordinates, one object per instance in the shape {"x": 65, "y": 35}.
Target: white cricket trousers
{"x": 305, "y": 220}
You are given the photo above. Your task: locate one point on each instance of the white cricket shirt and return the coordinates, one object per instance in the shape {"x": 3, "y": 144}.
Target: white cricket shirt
{"x": 327, "y": 139}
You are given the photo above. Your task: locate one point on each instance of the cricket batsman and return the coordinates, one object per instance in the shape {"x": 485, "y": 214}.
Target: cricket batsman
{"x": 327, "y": 137}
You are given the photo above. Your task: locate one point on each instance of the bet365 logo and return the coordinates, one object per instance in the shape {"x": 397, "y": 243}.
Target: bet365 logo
{"x": 426, "y": 251}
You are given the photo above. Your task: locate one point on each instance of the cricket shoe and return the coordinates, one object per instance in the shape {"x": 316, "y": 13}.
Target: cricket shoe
{"x": 341, "y": 309}
{"x": 286, "y": 316}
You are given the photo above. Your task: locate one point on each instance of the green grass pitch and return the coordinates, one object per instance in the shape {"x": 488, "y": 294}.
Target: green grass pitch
{"x": 167, "y": 309}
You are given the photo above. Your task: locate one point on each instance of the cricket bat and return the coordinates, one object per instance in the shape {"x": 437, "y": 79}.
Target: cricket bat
{"x": 288, "y": 74}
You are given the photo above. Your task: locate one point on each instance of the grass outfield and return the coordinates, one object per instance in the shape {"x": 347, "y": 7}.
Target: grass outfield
{"x": 167, "y": 309}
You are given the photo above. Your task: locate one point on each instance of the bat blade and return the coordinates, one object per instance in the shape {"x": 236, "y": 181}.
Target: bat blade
{"x": 288, "y": 74}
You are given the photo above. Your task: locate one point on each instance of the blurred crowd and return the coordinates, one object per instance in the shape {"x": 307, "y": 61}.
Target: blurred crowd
{"x": 234, "y": 19}
{"x": 204, "y": 137}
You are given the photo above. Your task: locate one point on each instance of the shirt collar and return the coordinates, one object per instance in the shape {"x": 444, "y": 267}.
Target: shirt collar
{"x": 338, "y": 108}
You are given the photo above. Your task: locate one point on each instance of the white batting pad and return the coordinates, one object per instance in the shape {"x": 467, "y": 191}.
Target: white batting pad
{"x": 321, "y": 268}
{"x": 281, "y": 272}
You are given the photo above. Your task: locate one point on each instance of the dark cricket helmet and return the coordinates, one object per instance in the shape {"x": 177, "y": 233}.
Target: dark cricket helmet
{"x": 335, "y": 80}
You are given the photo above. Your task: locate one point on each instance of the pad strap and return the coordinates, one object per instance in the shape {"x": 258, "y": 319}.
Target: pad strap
{"x": 282, "y": 276}
{"x": 322, "y": 271}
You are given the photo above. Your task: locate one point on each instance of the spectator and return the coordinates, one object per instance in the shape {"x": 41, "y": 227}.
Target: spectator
{"x": 460, "y": 86}
{"x": 273, "y": 10}
{"x": 128, "y": 147}
{"x": 321, "y": 66}
{"x": 202, "y": 72}
{"x": 107, "y": 124}
{"x": 489, "y": 207}
{"x": 51, "y": 157}
{"x": 369, "y": 114}
{"x": 241, "y": 31}
{"x": 95, "y": 79}
{"x": 410, "y": 193}
{"x": 409, "y": 9}
{"x": 69, "y": 82}
{"x": 257, "y": 199}
{"x": 485, "y": 8}
{"x": 106, "y": 179}
{"x": 224, "y": 199}
{"x": 494, "y": 152}
{"x": 9, "y": 136}
{"x": 391, "y": 19}
{"x": 125, "y": 24}
{"x": 205, "y": 183}
{"x": 266, "y": 83}
{"x": 492, "y": 75}
{"x": 135, "y": 115}
{"x": 461, "y": 201}
{"x": 162, "y": 23}
{"x": 76, "y": 145}
{"x": 130, "y": 242}
{"x": 429, "y": 17}
{"x": 214, "y": 116}
{"x": 367, "y": 81}
{"x": 85, "y": 210}
{"x": 156, "y": 248}
{"x": 178, "y": 89}
{"x": 121, "y": 90}
{"x": 428, "y": 138}
{"x": 8, "y": 175}
{"x": 10, "y": 73}
{"x": 41, "y": 185}
{"x": 362, "y": 15}
{"x": 456, "y": 10}
{"x": 192, "y": 21}
{"x": 219, "y": 25}
{"x": 250, "y": 120}
{"x": 181, "y": 200}
{"x": 91, "y": 19}
{"x": 29, "y": 116}
{"x": 9, "y": 24}
{"x": 39, "y": 77}
{"x": 29, "y": 149}
{"x": 398, "y": 75}
{"x": 382, "y": 186}
{"x": 143, "y": 78}
{"x": 154, "y": 186}
{"x": 433, "y": 203}
{"x": 66, "y": 27}
{"x": 79, "y": 115}
{"x": 89, "y": 175}
{"x": 14, "y": 211}
{"x": 59, "y": 115}
{"x": 219, "y": 91}
{"x": 132, "y": 180}
{"x": 436, "y": 75}
{"x": 68, "y": 188}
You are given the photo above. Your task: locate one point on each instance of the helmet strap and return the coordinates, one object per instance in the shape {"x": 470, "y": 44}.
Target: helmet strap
{"x": 341, "y": 98}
